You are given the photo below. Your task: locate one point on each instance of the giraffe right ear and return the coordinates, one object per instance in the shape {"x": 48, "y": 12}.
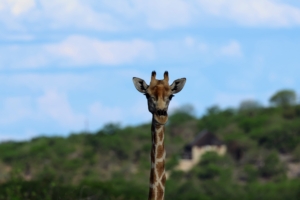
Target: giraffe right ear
{"x": 140, "y": 84}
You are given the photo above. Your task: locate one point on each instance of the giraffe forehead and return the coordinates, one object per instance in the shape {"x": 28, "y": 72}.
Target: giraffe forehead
{"x": 159, "y": 89}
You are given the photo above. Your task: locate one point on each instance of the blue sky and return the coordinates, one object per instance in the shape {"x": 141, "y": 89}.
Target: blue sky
{"x": 65, "y": 64}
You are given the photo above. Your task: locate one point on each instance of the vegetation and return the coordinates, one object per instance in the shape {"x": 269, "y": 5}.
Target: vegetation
{"x": 113, "y": 163}
{"x": 284, "y": 98}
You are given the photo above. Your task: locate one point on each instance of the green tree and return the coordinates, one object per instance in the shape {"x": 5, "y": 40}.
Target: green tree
{"x": 283, "y": 98}
{"x": 249, "y": 105}
{"x": 271, "y": 166}
{"x": 181, "y": 115}
{"x": 111, "y": 128}
{"x": 213, "y": 110}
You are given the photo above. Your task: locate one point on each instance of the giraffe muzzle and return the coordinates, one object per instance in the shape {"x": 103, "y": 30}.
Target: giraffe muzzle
{"x": 161, "y": 112}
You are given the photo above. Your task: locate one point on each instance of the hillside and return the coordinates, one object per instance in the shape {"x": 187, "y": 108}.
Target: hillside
{"x": 262, "y": 161}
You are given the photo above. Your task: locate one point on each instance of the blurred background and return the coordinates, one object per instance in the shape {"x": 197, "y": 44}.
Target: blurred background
{"x": 72, "y": 122}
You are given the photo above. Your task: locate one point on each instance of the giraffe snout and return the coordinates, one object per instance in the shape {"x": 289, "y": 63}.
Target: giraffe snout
{"x": 161, "y": 112}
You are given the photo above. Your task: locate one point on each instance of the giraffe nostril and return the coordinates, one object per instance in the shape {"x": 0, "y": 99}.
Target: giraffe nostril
{"x": 161, "y": 112}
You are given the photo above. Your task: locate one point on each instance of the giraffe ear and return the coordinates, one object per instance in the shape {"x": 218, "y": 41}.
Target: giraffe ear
{"x": 177, "y": 85}
{"x": 140, "y": 84}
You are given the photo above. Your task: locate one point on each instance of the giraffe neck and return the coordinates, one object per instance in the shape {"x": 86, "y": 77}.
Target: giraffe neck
{"x": 158, "y": 155}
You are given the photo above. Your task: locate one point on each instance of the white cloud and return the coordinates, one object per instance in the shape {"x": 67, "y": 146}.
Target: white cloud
{"x": 48, "y": 97}
{"x": 167, "y": 13}
{"x": 188, "y": 49}
{"x": 254, "y": 12}
{"x": 17, "y": 37}
{"x": 79, "y": 50}
{"x": 241, "y": 83}
{"x": 140, "y": 109}
{"x": 76, "y": 13}
{"x": 203, "y": 47}
{"x": 283, "y": 80}
{"x": 64, "y": 82}
{"x": 28, "y": 56}
{"x": 56, "y": 106}
{"x": 231, "y": 49}
{"x": 189, "y": 41}
{"x": 230, "y": 99}
{"x": 53, "y": 112}
{"x": 156, "y": 14}
{"x": 52, "y": 102}
{"x": 84, "y": 51}
{"x": 119, "y": 15}
{"x": 14, "y": 109}
{"x": 54, "y": 14}
{"x": 99, "y": 114}
{"x": 75, "y": 51}
{"x": 17, "y": 7}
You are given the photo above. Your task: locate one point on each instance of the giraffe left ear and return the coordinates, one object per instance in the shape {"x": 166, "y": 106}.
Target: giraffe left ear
{"x": 177, "y": 85}
{"x": 140, "y": 84}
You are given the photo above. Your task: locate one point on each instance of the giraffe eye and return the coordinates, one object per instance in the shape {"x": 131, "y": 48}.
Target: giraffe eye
{"x": 171, "y": 96}
{"x": 148, "y": 96}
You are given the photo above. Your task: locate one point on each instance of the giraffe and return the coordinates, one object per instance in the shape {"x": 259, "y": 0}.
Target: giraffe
{"x": 159, "y": 94}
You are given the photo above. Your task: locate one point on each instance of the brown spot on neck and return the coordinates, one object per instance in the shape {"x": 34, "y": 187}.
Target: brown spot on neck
{"x": 160, "y": 192}
{"x": 160, "y": 150}
{"x": 153, "y": 177}
{"x": 160, "y": 168}
{"x": 151, "y": 195}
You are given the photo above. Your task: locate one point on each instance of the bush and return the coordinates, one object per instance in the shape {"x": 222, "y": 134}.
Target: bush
{"x": 181, "y": 115}
{"x": 251, "y": 173}
{"x": 271, "y": 166}
{"x": 172, "y": 162}
{"x": 213, "y": 166}
{"x": 296, "y": 154}
{"x": 284, "y": 98}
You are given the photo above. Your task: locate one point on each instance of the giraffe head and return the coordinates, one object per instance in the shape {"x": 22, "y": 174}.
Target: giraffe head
{"x": 159, "y": 94}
